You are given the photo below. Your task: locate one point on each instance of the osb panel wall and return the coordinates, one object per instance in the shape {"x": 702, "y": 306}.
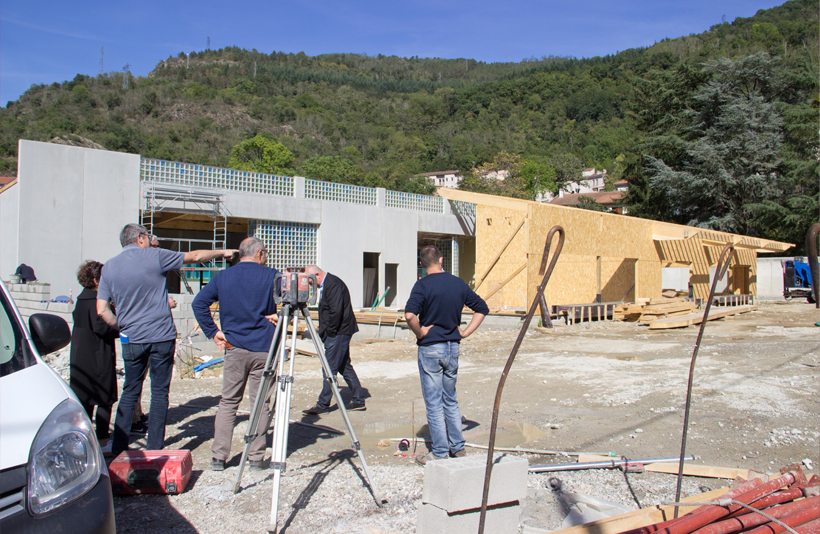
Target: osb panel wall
{"x": 494, "y": 226}
{"x": 572, "y": 281}
{"x": 701, "y": 257}
{"x": 618, "y": 279}
{"x": 589, "y": 235}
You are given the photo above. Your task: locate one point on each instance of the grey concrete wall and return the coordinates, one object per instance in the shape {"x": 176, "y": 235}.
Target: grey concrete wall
{"x": 73, "y": 204}
{"x": 348, "y": 231}
{"x": 675, "y": 278}
{"x": 74, "y": 201}
{"x": 770, "y": 278}
{"x": 9, "y": 213}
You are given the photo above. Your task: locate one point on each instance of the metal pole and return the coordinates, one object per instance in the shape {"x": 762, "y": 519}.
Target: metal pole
{"x": 535, "y": 303}
{"x": 722, "y": 266}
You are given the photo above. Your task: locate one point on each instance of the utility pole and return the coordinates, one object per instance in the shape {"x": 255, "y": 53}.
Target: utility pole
{"x": 125, "y": 74}
{"x": 209, "y": 44}
{"x": 254, "y": 69}
{"x": 187, "y": 60}
{"x": 102, "y": 67}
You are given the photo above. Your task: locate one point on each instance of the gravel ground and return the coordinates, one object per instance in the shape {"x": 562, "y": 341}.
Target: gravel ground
{"x": 600, "y": 387}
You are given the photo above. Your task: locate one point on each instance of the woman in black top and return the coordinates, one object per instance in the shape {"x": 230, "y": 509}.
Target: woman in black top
{"x": 93, "y": 353}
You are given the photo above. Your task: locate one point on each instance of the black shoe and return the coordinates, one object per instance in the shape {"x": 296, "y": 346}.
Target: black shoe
{"x": 315, "y": 410}
{"x": 139, "y": 428}
{"x": 217, "y": 464}
{"x": 258, "y": 465}
{"x": 356, "y": 407}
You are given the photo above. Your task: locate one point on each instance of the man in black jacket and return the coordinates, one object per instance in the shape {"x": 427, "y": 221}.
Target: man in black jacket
{"x": 337, "y": 324}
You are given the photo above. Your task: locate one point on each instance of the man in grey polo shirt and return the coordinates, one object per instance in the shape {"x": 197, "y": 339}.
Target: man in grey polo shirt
{"x": 134, "y": 281}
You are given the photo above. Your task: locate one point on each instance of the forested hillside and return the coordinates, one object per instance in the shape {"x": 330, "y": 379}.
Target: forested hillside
{"x": 655, "y": 116}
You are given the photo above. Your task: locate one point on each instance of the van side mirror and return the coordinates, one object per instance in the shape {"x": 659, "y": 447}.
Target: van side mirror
{"x": 49, "y": 332}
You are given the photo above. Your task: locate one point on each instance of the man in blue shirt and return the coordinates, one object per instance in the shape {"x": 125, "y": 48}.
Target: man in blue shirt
{"x": 248, "y": 320}
{"x": 134, "y": 281}
{"x": 433, "y": 313}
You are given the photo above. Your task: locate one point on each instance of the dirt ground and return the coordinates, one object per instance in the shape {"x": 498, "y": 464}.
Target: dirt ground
{"x": 594, "y": 387}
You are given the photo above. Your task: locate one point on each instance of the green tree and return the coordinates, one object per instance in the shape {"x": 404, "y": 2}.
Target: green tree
{"x": 332, "y": 169}
{"x": 261, "y": 154}
{"x": 732, "y": 159}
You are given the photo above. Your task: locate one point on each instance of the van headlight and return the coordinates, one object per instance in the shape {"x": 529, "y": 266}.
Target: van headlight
{"x": 66, "y": 460}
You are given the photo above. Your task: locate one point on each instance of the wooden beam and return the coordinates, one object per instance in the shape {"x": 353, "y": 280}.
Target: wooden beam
{"x": 683, "y": 321}
{"x": 500, "y": 252}
{"x": 507, "y": 281}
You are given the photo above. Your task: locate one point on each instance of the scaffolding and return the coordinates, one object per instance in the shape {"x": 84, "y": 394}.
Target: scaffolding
{"x": 164, "y": 198}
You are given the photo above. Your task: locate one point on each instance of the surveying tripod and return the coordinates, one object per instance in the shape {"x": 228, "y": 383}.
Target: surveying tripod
{"x": 293, "y": 291}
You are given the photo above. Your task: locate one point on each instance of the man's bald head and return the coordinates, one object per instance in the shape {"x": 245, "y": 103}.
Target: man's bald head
{"x": 314, "y": 269}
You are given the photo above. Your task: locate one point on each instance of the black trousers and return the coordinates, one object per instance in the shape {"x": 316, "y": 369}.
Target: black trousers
{"x": 337, "y": 352}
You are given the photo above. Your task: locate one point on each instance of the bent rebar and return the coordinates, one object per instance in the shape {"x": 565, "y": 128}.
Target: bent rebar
{"x": 722, "y": 267}
{"x": 535, "y": 303}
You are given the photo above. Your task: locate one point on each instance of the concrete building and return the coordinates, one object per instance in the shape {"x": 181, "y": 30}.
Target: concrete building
{"x": 70, "y": 203}
{"x": 443, "y": 178}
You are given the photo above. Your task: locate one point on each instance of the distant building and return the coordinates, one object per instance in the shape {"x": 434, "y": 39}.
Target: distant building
{"x": 443, "y": 178}
{"x": 592, "y": 181}
{"x": 621, "y": 185}
{"x": 614, "y": 200}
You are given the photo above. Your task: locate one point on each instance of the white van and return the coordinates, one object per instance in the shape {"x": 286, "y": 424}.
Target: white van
{"x": 53, "y": 476}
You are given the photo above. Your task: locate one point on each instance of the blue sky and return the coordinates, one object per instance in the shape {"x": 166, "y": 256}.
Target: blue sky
{"x": 47, "y": 41}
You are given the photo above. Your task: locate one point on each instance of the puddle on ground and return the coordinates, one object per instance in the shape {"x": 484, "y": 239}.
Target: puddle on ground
{"x": 621, "y": 358}
{"x": 510, "y": 435}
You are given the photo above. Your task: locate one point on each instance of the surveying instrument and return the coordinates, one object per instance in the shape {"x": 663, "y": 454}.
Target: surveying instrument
{"x": 293, "y": 291}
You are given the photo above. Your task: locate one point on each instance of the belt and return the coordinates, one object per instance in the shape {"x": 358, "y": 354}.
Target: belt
{"x": 228, "y": 345}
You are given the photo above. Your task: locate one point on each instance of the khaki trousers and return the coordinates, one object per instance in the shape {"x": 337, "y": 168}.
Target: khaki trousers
{"x": 241, "y": 367}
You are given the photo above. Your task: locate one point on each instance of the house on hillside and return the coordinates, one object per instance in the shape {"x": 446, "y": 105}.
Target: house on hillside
{"x": 614, "y": 200}
{"x": 592, "y": 181}
{"x": 443, "y": 178}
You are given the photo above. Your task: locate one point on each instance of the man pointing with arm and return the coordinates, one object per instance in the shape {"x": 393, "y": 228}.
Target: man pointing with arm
{"x": 135, "y": 281}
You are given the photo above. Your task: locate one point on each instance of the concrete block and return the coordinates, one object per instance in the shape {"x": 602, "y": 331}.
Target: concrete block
{"x": 33, "y": 306}
{"x": 24, "y": 296}
{"x": 457, "y": 484}
{"x": 62, "y": 307}
{"x": 500, "y": 519}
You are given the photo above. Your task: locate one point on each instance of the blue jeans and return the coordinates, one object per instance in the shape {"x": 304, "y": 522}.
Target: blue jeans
{"x": 138, "y": 357}
{"x": 337, "y": 352}
{"x": 438, "y": 368}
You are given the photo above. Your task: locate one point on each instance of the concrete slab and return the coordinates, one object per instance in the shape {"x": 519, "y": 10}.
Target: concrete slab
{"x": 457, "y": 484}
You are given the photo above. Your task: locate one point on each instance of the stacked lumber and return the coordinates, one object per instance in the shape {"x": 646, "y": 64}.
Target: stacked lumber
{"x": 661, "y": 310}
{"x": 379, "y": 316}
{"x": 682, "y": 321}
{"x": 646, "y": 311}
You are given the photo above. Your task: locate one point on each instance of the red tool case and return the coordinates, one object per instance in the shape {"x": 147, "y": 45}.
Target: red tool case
{"x": 164, "y": 472}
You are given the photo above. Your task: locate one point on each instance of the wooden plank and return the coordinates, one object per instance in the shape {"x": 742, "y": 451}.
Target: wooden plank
{"x": 697, "y": 318}
{"x": 500, "y": 252}
{"x": 667, "y": 300}
{"x": 689, "y": 469}
{"x": 692, "y": 470}
{"x": 640, "y": 518}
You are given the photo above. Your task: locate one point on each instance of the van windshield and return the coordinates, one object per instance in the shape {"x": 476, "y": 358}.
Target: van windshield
{"x": 14, "y": 350}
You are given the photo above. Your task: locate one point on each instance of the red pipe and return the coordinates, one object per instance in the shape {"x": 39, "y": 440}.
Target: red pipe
{"x": 770, "y": 500}
{"x": 688, "y": 524}
{"x": 795, "y": 519}
{"x": 753, "y": 519}
{"x": 812, "y": 527}
{"x": 732, "y": 494}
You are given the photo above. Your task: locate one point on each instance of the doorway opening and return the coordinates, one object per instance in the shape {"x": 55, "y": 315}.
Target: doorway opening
{"x": 370, "y": 278}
